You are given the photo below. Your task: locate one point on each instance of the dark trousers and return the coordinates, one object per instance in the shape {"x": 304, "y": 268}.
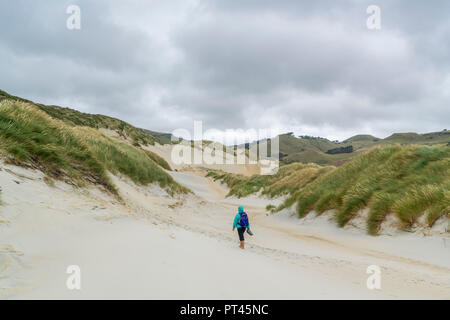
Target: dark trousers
{"x": 241, "y": 232}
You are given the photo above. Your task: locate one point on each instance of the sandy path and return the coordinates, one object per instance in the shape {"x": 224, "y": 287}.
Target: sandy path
{"x": 412, "y": 266}
{"x": 158, "y": 247}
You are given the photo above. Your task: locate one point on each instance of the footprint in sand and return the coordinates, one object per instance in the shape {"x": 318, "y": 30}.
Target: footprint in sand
{"x": 8, "y": 249}
{"x": 8, "y": 257}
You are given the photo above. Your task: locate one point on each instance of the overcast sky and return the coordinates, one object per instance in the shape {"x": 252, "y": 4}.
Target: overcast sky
{"x": 312, "y": 67}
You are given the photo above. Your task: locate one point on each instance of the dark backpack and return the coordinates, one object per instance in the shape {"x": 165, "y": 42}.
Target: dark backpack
{"x": 243, "y": 222}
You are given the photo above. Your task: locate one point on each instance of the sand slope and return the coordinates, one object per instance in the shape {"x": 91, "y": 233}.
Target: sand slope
{"x": 165, "y": 151}
{"x": 153, "y": 246}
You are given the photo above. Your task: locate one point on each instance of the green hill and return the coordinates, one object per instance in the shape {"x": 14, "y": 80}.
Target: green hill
{"x": 432, "y": 138}
{"x": 315, "y": 156}
{"x": 314, "y": 149}
{"x": 162, "y": 138}
{"x": 362, "y": 137}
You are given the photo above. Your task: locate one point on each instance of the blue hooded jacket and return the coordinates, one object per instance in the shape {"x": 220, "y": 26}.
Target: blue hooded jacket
{"x": 237, "y": 218}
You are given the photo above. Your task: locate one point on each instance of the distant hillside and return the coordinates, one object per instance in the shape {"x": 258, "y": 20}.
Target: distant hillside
{"x": 162, "y": 138}
{"x": 442, "y": 137}
{"x": 362, "y": 137}
{"x": 325, "y": 152}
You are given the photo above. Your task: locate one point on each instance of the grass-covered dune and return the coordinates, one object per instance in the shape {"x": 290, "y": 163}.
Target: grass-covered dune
{"x": 76, "y": 118}
{"x": 97, "y": 121}
{"x": 78, "y": 154}
{"x": 407, "y": 181}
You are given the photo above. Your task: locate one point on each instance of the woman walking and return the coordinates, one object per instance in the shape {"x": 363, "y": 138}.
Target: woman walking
{"x": 242, "y": 224}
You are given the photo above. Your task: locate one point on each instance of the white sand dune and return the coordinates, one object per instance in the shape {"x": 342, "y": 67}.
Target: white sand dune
{"x": 165, "y": 151}
{"x": 157, "y": 247}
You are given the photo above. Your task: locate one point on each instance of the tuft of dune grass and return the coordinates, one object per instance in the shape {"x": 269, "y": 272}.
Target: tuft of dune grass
{"x": 76, "y": 154}
{"x": 158, "y": 159}
{"x": 289, "y": 179}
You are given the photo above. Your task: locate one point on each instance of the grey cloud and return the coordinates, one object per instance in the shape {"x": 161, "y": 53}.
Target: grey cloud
{"x": 310, "y": 65}
{"x": 39, "y": 28}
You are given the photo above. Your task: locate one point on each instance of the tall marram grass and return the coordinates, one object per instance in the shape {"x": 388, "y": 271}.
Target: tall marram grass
{"x": 288, "y": 180}
{"x": 29, "y": 136}
{"x": 158, "y": 159}
{"x": 407, "y": 181}
{"x": 73, "y": 117}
